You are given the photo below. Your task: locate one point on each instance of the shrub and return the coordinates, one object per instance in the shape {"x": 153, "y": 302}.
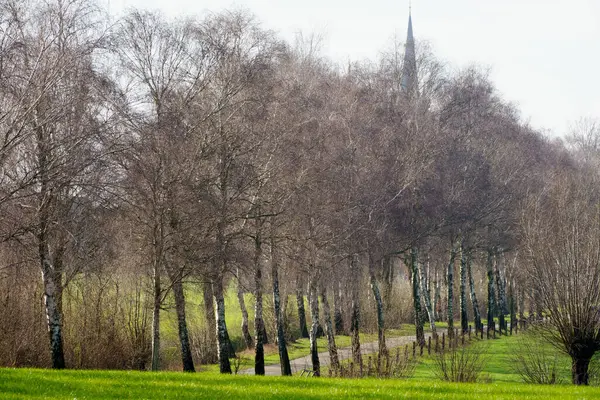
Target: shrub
{"x": 390, "y": 366}
{"x": 535, "y": 364}
{"x": 460, "y": 363}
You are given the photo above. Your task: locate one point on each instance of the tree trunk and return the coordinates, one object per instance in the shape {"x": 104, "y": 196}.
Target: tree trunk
{"x": 245, "y": 330}
{"x": 579, "y": 370}
{"x": 175, "y": 275}
{"x": 532, "y": 305}
{"x": 284, "y": 359}
{"x": 223, "y": 343}
{"x": 156, "y": 318}
{"x": 502, "y": 303}
{"x": 512, "y": 306}
{"x": 333, "y": 354}
{"x": 521, "y": 302}
{"x": 379, "y": 305}
{"x": 184, "y": 338}
{"x": 427, "y": 297}
{"x": 301, "y": 309}
{"x": 211, "y": 323}
{"x": 464, "y": 316}
{"x": 338, "y": 316}
{"x": 285, "y": 322}
{"x": 259, "y": 324}
{"x": 313, "y": 301}
{"x": 414, "y": 270}
{"x": 388, "y": 270}
{"x": 437, "y": 296}
{"x": 265, "y": 336}
{"x": 355, "y": 311}
{"x": 491, "y": 295}
{"x": 451, "y": 292}
{"x": 51, "y": 273}
{"x": 538, "y": 306}
{"x": 52, "y": 293}
{"x": 476, "y": 313}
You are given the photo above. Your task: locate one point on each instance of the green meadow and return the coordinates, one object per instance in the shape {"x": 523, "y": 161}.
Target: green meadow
{"x": 43, "y": 384}
{"x": 499, "y": 381}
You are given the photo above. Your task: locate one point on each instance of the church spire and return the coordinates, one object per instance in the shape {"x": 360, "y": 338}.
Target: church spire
{"x": 408, "y": 82}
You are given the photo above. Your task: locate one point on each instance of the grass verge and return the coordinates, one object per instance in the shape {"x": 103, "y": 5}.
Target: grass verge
{"x": 51, "y": 385}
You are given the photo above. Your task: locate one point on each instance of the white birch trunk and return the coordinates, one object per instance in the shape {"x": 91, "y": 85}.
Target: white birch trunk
{"x": 331, "y": 346}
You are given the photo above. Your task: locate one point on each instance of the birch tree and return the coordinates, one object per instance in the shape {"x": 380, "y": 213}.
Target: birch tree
{"x": 244, "y": 55}
{"x": 164, "y": 70}
{"x": 57, "y": 43}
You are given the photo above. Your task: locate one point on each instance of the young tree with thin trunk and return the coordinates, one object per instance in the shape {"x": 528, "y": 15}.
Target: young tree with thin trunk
{"x": 383, "y": 351}
{"x": 426, "y": 291}
{"x": 313, "y": 301}
{"x": 355, "y": 310}
{"x": 338, "y": 315}
{"x": 476, "y": 312}
{"x": 491, "y": 300}
{"x": 210, "y": 321}
{"x": 245, "y": 330}
{"x": 464, "y": 316}
{"x": 259, "y": 323}
{"x": 334, "y": 361}
{"x": 416, "y": 295}
{"x": 501, "y": 290}
{"x": 450, "y": 277}
{"x": 301, "y": 310}
{"x": 284, "y": 359}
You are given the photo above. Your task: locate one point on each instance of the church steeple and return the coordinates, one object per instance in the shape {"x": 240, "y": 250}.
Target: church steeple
{"x": 408, "y": 82}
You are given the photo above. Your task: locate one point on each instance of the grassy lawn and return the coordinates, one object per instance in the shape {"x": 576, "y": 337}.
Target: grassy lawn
{"x": 45, "y": 384}
{"x": 500, "y": 382}
{"x": 499, "y": 359}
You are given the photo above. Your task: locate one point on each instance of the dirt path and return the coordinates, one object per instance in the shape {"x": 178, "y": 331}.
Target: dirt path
{"x": 344, "y": 353}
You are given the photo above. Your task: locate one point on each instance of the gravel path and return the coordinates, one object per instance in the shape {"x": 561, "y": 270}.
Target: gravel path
{"x": 344, "y": 353}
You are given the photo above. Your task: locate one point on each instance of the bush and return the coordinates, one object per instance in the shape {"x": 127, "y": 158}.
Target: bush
{"x": 203, "y": 346}
{"x": 238, "y": 363}
{"x": 391, "y": 366}
{"x": 402, "y": 368}
{"x": 460, "y": 363}
{"x": 535, "y": 364}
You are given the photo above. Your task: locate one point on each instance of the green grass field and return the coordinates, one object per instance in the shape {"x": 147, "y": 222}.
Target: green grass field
{"x": 499, "y": 360}
{"x": 500, "y": 383}
{"x": 44, "y": 384}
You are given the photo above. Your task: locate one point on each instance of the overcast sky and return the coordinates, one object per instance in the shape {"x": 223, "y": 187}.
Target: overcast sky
{"x": 544, "y": 55}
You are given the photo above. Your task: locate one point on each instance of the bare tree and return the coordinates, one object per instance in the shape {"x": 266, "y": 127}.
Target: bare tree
{"x": 164, "y": 69}
{"x": 584, "y": 140}
{"x": 57, "y": 42}
{"x": 238, "y": 95}
{"x": 562, "y": 233}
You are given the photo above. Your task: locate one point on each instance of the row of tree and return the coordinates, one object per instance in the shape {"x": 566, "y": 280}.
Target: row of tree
{"x": 144, "y": 159}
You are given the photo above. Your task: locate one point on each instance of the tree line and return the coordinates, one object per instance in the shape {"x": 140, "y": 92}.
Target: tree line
{"x": 145, "y": 160}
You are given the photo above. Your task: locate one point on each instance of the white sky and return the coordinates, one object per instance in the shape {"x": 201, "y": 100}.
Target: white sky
{"x": 544, "y": 55}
